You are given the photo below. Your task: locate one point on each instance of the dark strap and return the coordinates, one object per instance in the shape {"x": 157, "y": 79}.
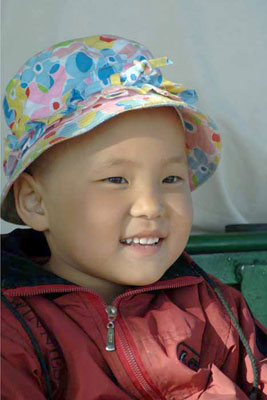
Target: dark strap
{"x": 36, "y": 347}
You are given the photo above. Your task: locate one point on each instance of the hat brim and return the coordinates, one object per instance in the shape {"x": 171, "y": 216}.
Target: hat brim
{"x": 202, "y": 138}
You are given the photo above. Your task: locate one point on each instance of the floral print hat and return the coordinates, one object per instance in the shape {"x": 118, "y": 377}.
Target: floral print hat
{"x": 76, "y": 85}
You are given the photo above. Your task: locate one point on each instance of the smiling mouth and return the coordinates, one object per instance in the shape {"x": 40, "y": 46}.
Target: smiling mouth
{"x": 142, "y": 244}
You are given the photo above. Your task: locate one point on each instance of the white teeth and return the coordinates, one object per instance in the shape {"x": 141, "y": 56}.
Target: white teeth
{"x": 141, "y": 240}
{"x": 152, "y": 240}
{"x": 145, "y": 241}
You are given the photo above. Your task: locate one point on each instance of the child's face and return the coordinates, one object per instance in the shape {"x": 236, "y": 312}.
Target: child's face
{"x": 88, "y": 215}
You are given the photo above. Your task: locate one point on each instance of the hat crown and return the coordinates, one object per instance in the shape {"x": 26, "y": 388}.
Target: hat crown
{"x": 50, "y": 81}
{"x": 54, "y": 82}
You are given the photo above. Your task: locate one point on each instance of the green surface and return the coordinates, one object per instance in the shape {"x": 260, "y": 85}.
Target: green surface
{"x": 227, "y": 242}
{"x": 254, "y": 287}
{"x": 239, "y": 260}
{"x": 226, "y": 266}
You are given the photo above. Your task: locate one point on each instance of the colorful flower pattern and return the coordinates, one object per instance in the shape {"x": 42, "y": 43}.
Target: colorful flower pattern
{"x": 200, "y": 166}
{"x": 39, "y": 69}
{"x": 76, "y": 85}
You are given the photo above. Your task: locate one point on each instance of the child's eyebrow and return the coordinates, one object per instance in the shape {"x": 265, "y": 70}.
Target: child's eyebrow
{"x": 123, "y": 161}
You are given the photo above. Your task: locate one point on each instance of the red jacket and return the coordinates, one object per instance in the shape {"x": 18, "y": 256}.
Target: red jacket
{"x": 173, "y": 339}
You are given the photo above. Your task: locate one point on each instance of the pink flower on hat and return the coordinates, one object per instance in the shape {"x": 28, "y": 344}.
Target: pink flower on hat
{"x": 196, "y": 134}
{"x": 64, "y": 51}
{"x": 43, "y": 104}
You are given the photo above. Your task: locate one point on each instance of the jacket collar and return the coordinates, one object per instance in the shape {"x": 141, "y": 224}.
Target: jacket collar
{"x": 25, "y": 250}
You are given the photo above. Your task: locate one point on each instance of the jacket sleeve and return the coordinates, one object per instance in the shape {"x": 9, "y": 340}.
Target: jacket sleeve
{"x": 21, "y": 372}
{"x": 256, "y": 336}
{"x": 251, "y": 328}
{"x": 19, "y": 383}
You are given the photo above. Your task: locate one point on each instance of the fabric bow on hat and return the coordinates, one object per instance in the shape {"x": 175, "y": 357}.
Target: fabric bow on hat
{"x": 131, "y": 75}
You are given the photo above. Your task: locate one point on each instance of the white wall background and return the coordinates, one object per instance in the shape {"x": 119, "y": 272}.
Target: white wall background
{"x": 218, "y": 48}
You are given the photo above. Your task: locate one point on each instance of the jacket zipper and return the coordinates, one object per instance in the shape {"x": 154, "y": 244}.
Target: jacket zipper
{"x": 112, "y": 315}
{"x": 148, "y": 390}
{"x": 111, "y": 311}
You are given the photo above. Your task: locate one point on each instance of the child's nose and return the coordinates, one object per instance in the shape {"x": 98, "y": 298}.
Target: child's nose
{"x": 148, "y": 203}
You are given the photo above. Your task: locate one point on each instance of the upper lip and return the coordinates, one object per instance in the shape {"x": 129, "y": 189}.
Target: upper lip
{"x": 146, "y": 234}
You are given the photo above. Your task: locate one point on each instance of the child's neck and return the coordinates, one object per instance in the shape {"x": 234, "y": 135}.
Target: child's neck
{"x": 106, "y": 289}
{"x": 109, "y": 294}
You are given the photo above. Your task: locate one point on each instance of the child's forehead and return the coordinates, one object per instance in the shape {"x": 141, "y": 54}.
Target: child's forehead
{"x": 126, "y": 161}
{"x": 128, "y": 131}
{"x": 120, "y": 141}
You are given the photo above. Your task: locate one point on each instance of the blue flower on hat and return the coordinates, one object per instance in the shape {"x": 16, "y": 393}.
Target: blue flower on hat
{"x": 40, "y": 69}
{"x": 128, "y": 104}
{"x": 200, "y": 165}
{"x": 189, "y": 96}
{"x": 9, "y": 113}
{"x": 110, "y": 63}
{"x": 111, "y": 57}
{"x": 20, "y": 145}
{"x": 105, "y": 72}
{"x": 37, "y": 129}
{"x": 79, "y": 67}
{"x": 12, "y": 141}
{"x": 68, "y": 129}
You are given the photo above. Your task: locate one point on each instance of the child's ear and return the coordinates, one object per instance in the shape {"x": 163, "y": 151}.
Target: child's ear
{"x": 29, "y": 203}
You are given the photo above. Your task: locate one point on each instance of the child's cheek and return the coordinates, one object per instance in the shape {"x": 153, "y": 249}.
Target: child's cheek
{"x": 181, "y": 217}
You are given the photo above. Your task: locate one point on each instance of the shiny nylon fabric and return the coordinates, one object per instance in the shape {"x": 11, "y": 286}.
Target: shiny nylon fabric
{"x": 154, "y": 323}
{"x": 155, "y": 326}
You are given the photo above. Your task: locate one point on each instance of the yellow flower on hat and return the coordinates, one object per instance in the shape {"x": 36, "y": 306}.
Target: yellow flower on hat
{"x": 87, "y": 119}
{"x": 98, "y": 42}
{"x": 16, "y": 95}
{"x": 19, "y": 126}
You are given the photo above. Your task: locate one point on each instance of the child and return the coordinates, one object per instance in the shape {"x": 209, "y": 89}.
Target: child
{"x": 100, "y": 301}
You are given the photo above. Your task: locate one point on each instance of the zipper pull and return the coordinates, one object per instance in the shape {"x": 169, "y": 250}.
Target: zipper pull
{"x": 112, "y": 315}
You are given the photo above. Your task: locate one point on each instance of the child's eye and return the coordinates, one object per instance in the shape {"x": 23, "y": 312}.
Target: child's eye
{"x": 172, "y": 179}
{"x": 116, "y": 179}
{"x": 119, "y": 179}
